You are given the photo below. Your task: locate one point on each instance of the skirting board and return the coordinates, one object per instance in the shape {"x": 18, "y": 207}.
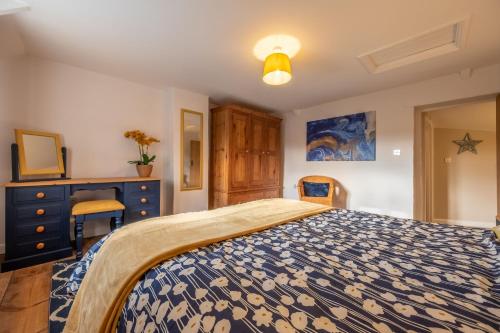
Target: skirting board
{"x": 465, "y": 223}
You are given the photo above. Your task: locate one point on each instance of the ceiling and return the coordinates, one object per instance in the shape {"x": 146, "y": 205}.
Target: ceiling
{"x": 480, "y": 116}
{"x": 206, "y": 46}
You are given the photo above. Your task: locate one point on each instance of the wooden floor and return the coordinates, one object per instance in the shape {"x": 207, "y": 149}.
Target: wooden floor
{"x": 24, "y": 297}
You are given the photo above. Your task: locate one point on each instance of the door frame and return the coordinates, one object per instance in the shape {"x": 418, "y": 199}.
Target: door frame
{"x": 423, "y": 153}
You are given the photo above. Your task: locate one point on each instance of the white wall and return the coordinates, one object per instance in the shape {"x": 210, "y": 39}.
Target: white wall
{"x": 385, "y": 185}
{"x": 91, "y": 112}
{"x": 464, "y": 186}
{"x": 193, "y": 200}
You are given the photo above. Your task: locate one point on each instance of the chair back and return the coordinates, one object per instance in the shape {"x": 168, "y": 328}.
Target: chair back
{"x": 317, "y": 189}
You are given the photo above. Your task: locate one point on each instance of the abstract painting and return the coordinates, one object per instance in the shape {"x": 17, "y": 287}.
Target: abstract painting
{"x": 346, "y": 138}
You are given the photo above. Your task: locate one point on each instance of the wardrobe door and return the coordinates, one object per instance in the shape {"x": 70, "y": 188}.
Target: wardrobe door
{"x": 258, "y": 147}
{"x": 239, "y": 148}
{"x": 272, "y": 159}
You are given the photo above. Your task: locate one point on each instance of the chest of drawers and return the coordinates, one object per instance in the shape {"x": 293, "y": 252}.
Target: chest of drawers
{"x": 37, "y": 218}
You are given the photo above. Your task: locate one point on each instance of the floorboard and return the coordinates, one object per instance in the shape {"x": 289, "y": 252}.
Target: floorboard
{"x": 24, "y": 297}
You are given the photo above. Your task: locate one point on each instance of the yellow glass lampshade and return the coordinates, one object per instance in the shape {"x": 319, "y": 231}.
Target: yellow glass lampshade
{"x": 277, "y": 69}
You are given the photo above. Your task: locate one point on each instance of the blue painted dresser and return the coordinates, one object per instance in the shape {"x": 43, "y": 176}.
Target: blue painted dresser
{"x": 37, "y": 215}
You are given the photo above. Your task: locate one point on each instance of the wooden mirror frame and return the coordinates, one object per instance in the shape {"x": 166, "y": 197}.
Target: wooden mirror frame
{"x": 181, "y": 171}
{"x": 23, "y": 167}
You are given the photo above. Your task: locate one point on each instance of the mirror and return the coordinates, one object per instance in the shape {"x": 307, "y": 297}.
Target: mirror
{"x": 39, "y": 153}
{"x": 191, "y": 150}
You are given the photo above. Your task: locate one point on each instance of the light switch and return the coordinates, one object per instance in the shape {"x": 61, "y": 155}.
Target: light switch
{"x": 396, "y": 152}
{"x": 447, "y": 160}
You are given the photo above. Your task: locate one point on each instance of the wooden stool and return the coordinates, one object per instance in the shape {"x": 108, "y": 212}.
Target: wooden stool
{"x": 95, "y": 209}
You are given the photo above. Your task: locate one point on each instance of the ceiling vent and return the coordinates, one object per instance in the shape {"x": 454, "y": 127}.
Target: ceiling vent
{"x": 433, "y": 43}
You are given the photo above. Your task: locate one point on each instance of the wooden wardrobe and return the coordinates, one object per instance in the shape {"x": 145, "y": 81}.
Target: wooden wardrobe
{"x": 245, "y": 162}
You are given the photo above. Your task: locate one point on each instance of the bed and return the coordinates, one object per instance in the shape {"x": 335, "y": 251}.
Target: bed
{"x": 333, "y": 271}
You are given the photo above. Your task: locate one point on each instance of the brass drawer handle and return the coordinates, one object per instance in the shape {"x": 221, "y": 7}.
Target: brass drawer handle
{"x": 144, "y": 187}
{"x": 40, "y": 195}
{"x": 144, "y": 200}
{"x": 39, "y": 229}
{"x": 40, "y": 211}
{"x": 40, "y": 246}
{"x": 143, "y": 213}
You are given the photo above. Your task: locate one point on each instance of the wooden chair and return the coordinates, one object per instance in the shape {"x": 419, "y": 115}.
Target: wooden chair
{"x": 95, "y": 209}
{"x": 317, "y": 189}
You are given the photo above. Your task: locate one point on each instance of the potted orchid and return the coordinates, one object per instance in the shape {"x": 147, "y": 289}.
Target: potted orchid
{"x": 143, "y": 164}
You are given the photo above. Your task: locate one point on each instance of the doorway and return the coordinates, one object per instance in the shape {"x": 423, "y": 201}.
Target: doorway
{"x": 455, "y": 157}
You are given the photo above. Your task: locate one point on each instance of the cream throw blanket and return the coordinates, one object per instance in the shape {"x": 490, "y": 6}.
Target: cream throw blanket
{"x": 136, "y": 248}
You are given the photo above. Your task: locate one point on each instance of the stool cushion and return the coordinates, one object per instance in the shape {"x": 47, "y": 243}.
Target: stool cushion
{"x": 96, "y": 206}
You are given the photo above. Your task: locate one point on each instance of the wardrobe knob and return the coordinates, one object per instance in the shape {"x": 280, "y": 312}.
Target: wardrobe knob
{"x": 39, "y": 229}
{"x": 144, "y": 187}
{"x": 40, "y": 195}
{"x": 40, "y": 211}
{"x": 143, "y": 213}
{"x": 40, "y": 246}
{"x": 144, "y": 200}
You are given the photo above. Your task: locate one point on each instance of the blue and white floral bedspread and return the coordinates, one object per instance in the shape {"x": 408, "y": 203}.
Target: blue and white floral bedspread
{"x": 339, "y": 271}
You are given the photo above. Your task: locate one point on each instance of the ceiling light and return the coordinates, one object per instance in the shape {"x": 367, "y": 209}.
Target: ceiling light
{"x": 276, "y": 51}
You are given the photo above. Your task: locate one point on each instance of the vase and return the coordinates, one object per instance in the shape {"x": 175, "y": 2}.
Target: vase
{"x": 144, "y": 170}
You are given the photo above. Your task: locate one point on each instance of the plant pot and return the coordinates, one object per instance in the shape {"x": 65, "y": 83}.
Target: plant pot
{"x": 144, "y": 170}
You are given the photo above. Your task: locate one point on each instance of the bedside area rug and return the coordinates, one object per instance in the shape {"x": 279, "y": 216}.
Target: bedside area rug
{"x": 59, "y": 301}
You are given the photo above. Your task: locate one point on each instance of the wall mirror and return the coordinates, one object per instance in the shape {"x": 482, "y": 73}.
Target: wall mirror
{"x": 191, "y": 150}
{"x": 39, "y": 153}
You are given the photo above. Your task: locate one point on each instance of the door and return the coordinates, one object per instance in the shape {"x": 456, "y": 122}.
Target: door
{"x": 239, "y": 148}
{"x": 258, "y": 148}
{"x": 272, "y": 158}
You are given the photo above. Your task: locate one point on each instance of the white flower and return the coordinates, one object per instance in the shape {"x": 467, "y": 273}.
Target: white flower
{"x": 339, "y": 312}
{"x": 283, "y": 310}
{"x": 353, "y": 291}
{"x": 239, "y": 313}
{"x": 281, "y": 278}
{"x": 405, "y": 310}
{"x": 143, "y": 300}
{"x": 454, "y": 278}
{"x": 150, "y": 327}
{"x": 221, "y": 305}
{"x": 193, "y": 324}
{"x": 323, "y": 323}
{"x": 401, "y": 286}
{"x": 285, "y": 254}
{"x": 164, "y": 290}
{"x": 306, "y": 300}
{"x": 433, "y": 298}
{"x": 246, "y": 283}
{"x": 299, "y": 320}
{"x": 298, "y": 283}
{"x": 235, "y": 295}
{"x": 222, "y": 326}
{"x": 388, "y": 296}
{"x": 468, "y": 329}
{"x": 494, "y": 311}
{"x": 262, "y": 317}
{"x": 219, "y": 265}
{"x": 323, "y": 282}
{"x": 141, "y": 321}
{"x": 206, "y": 307}
{"x": 371, "y": 306}
{"x": 268, "y": 285}
{"x": 162, "y": 311}
{"x": 178, "y": 311}
{"x": 239, "y": 269}
{"x": 219, "y": 282}
{"x": 287, "y": 300}
{"x": 283, "y": 327}
{"x": 346, "y": 274}
{"x": 179, "y": 288}
{"x": 382, "y": 328}
{"x": 418, "y": 299}
{"x": 187, "y": 271}
{"x": 433, "y": 278}
{"x": 301, "y": 275}
{"x": 200, "y": 293}
{"x": 373, "y": 275}
{"x": 474, "y": 297}
{"x": 255, "y": 299}
{"x": 208, "y": 322}
{"x": 154, "y": 306}
{"x": 414, "y": 282}
{"x": 440, "y": 314}
{"x": 365, "y": 279}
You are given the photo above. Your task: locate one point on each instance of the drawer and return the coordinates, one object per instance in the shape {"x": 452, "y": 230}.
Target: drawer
{"x": 39, "y": 229}
{"x": 142, "y": 213}
{"x": 37, "y": 246}
{"x": 142, "y": 200}
{"x": 142, "y": 188}
{"x": 39, "y": 211}
{"x": 38, "y": 194}
{"x": 241, "y": 197}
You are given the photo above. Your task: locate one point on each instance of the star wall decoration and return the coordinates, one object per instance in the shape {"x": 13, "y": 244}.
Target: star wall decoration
{"x": 467, "y": 144}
